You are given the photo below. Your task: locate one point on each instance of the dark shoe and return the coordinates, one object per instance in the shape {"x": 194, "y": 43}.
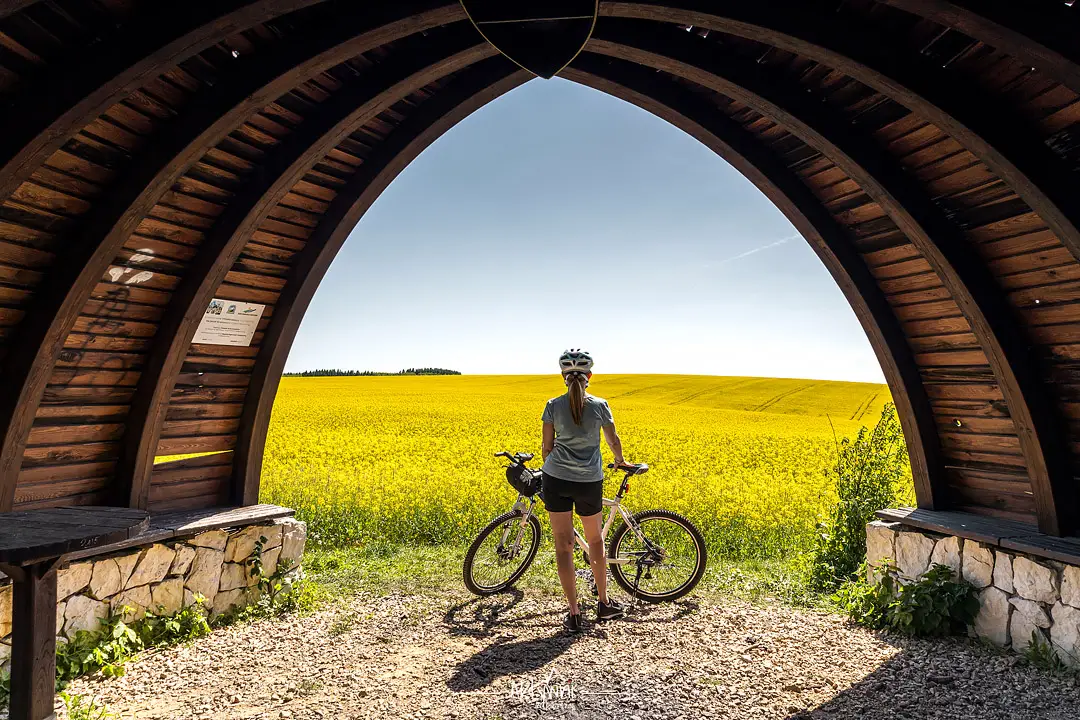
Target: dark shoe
{"x": 572, "y": 623}
{"x": 610, "y": 610}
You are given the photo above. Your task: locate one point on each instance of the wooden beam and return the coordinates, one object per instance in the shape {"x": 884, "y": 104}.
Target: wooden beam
{"x": 1006, "y": 143}
{"x": 694, "y": 115}
{"x": 252, "y": 84}
{"x": 940, "y": 241}
{"x": 33, "y": 641}
{"x": 461, "y": 97}
{"x": 1040, "y": 33}
{"x": 407, "y": 70}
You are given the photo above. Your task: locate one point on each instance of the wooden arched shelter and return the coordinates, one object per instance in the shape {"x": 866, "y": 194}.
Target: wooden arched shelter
{"x": 158, "y": 155}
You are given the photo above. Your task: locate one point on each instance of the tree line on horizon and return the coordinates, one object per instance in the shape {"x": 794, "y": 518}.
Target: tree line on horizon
{"x": 336, "y": 372}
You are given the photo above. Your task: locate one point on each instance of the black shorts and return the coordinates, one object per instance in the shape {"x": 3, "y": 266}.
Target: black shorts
{"x": 564, "y": 496}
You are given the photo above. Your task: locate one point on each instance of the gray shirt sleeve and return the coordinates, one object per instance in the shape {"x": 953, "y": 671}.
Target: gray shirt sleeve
{"x": 606, "y": 420}
{"x": 547, "y": 416}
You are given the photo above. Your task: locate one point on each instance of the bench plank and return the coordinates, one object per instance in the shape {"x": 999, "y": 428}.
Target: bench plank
{"x": 185, "y": 523}
{"x": 1006, "y": 534}
{"x": 36, "y": 535}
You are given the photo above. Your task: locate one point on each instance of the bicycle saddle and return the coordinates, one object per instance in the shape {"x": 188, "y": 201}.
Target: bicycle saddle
{"x": 632, "y": 468}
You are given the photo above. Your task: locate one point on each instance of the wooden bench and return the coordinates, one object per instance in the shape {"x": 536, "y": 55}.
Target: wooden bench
{"x": 1006, "y": 534}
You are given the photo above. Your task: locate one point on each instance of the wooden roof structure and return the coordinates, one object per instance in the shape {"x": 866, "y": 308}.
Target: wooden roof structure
{"x": 157, "y": 155}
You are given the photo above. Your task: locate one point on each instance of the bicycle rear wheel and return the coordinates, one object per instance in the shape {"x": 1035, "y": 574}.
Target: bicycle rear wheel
{"x": 501, "y": 553}
{"x": 672, "y": 556}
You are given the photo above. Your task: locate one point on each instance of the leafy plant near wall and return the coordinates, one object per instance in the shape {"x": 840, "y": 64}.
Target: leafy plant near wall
{"x": 79, "y": 708}
{"x": 936, "y": 604}
{"x": 115, "y": 642}
{"x": 281, "y": 592}
{"x": 871, "y": 473}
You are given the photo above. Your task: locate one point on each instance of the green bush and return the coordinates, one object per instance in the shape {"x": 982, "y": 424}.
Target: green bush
{"x": 872, "y": 472}
{"x": 78, "y": 708}
{"x": 936, "y": 604}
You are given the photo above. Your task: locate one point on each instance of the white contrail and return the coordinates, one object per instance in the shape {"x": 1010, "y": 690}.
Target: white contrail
{"x": 741, "y": 255}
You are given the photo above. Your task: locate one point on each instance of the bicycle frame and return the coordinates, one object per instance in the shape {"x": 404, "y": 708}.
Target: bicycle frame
{"x": 528, "y": 505}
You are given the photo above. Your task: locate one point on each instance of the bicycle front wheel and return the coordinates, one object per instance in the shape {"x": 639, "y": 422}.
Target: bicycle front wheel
{"x": 501, "y": 553}
{"x": 667, "y": 548}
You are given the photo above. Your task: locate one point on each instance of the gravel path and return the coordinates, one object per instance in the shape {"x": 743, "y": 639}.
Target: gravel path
{"x": 461, "y": 657}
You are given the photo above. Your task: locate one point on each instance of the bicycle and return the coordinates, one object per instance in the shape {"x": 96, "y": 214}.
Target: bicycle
{"x": 657, "y": 544}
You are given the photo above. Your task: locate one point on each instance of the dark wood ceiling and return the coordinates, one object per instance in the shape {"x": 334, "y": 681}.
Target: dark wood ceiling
{"x": 156, "y": 156}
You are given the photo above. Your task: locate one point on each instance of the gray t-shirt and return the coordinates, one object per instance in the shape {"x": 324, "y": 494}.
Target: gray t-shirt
{"x": 576, "y": 456}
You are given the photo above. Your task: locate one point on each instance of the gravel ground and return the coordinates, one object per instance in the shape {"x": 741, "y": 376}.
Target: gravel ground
{"x": 461, "y": 657}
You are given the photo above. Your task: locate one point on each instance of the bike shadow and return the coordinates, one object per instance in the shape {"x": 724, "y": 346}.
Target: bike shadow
{"x": 480, "y": 617}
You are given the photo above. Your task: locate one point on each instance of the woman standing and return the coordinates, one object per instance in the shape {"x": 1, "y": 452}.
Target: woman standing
{"x": 573, "y": 476}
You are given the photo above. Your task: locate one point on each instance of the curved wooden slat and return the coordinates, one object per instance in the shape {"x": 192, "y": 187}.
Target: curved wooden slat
{"x": 255, "y": 83}
{"x": 939, "y": 240}
{"x": 1042, "y": 33}
{"x": 10, "y": 7}
{"x": 1006, "y": 144}
{"x": 347, "y": 110}
{"x": 89, "y": 80}
{"x": 461, "y": 97}
{"x": 695, "y": 116}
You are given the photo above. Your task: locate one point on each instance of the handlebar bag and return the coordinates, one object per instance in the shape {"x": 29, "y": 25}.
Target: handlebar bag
{"x": 523, "y": 480}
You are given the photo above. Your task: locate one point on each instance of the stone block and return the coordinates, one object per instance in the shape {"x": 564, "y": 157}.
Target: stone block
{"x": 5, "y": 610}
{"x": 167, "y": 596}
{"x": 1003, "y": 571}
{"x": 978, "y": 566}
{"x": 205, "y": 574}
{"x": 947, "y": 551}
{"x": 241, "y": 545}
{"x": 992, "y": 622}
{"x": 1022, "y": 631}
{"x": 84, "y": 613}
{"x": 270, "y": 560}
{"x": 293, "y": 537}
{"x": 214, "y": 539}
{"x": 1033, "y": 611}
{"x": 106, "y": 580}
{"x": 880, "y": 545}
{"x": 1035, "y": 581}
{"x": 126, "y": 565}
{"x": 61, "y": 608}
{"x": 72, "y": 579}
{"x": 273, "y": 533}
{"x": 236, "y": 575}
{"x": 132, "y": 604}
{"x": 913, "y": 551}
{"x": 1065, "y": 633}
{"x": 229, "y": 599}
{"x": 153, "y": 566}
{"x": 5, "y": 653}
{"x": 1070, "y": 586}
{"x": 182, "y": 563}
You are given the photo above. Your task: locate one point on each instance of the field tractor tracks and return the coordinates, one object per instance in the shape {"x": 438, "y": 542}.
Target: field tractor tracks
{"x": 864, "y": 407}
{"x": 643, "y": 389}
{"x": 784, "y": 395}
{"x": 691, "y": 396}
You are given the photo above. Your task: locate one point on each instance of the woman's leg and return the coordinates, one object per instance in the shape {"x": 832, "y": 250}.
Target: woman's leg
{"x": 597, "y": 553}
{"x": 562, "y": 530}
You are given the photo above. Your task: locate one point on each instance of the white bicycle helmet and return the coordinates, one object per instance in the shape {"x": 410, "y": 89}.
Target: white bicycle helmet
{"x": 575, "y": 361}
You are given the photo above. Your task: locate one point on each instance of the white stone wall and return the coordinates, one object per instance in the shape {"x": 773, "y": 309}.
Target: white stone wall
{"x": 1019, "y": 595}
{"x": 165, "y": 577}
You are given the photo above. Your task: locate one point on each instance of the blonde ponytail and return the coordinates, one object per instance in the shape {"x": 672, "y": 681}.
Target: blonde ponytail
{"x": 575, "y": 386}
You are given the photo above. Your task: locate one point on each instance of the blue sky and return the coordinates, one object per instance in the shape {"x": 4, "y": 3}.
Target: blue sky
{"x": 560, "y": 217}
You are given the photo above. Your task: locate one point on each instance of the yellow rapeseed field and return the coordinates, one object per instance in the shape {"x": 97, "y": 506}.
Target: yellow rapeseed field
{"x": 409, "y": 459}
